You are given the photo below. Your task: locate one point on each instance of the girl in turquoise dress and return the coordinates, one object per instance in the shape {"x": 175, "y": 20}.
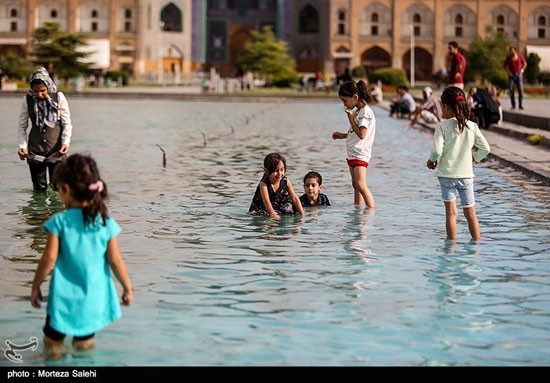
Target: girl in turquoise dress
{"x": 82, "y": 245}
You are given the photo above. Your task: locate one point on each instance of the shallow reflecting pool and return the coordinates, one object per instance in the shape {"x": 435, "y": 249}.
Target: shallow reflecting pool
{"x": 342, "y": 286}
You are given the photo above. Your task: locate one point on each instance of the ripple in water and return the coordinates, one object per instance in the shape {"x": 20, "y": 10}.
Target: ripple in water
{"x": 340, "y": 286}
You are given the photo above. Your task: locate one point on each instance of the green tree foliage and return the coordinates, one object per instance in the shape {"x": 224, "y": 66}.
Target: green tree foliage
{"x": 485, "y": 59}
{"x": 60, "y": 48}
{"x": 267, "y": 57}
{"x": 533, "y": 69}
{"x": 359, "y": 72}
{"x": 15, "y": 66}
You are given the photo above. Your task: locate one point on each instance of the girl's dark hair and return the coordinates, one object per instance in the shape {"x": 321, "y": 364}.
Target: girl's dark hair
{"x": 37, "y": 82}
{"x": 79, "y": 172}
{"x": 359, "y": 88}
{"x": 315, "y": 175}
{"x": 271, "y": 161}
{"x": 455, "y": 99}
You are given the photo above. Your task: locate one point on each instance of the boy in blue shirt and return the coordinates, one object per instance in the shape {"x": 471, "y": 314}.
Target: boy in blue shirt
{"x": 313, "y": 183}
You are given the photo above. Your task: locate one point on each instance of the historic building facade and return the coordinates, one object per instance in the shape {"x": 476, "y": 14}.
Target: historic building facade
{"x": 110, "y": 24}
{"x": 378, "y": 33}
{"x": 146, "y": 37}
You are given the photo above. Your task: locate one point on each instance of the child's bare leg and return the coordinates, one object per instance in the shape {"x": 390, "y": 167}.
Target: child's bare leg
{"x": 415, "y": 119}
{"x": 357, "y": 197}
{"x": 83, "y": 345}
{"x": 451, "y": 213}
{"x": 360, "y": 177}
{"x": 55, "y": 347}
{"x": 473, "y": 224}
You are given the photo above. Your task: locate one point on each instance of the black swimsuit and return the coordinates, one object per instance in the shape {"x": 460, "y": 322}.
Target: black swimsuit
{"x": 280, "y": 199}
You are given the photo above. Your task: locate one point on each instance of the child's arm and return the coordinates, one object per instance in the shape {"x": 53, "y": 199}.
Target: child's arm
{"x": 339, "y": 136}
{"x": 45, "y": 267}
{"x": 295, "y": 200}
{"x": 437, "y": 149}
{"x": 482, "y": 146}
{"x": 267, "y": 203}
{"x": 22, "y": 130}
{"x": 65, "y": 116}
{"x": 361, "y": 131}
{"x": 119, "y": 269}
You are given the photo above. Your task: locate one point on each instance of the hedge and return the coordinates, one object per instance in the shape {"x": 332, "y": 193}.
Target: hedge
{"x": 389, "y": 76}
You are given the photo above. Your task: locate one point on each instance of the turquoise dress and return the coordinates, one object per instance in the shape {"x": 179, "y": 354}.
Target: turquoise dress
{"x": 82, "y": 298}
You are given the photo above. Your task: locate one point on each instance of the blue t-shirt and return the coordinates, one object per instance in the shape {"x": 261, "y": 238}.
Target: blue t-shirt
{"x": 82, "y": 298}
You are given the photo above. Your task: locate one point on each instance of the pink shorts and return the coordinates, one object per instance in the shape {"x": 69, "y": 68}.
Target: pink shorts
{"x": 355, "y": 163}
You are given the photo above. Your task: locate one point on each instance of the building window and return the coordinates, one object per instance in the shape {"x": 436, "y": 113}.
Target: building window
{"x": 542, "y": 33}
{"x": 94, "y": 26}
{"x": 309, "y": 20}
{"x": 500, "y": 20}
{"x": 127, "y": 26}
{"x": 94, "y": 14}
{"x": 542, "y": 21}
{"x": 53, "y": 13}
{"x": 374, "y": 30}
{"x": 128, "y": 13}
{"x": 417, "y": 19}
{"x": 458, "y": 25}
{"x": 374, "y": 18}
{"x": 171, "y": 16}
{"x": 13, "y": 26}
{"x": 342, "y": 22}
{"x": 13, "y": 12}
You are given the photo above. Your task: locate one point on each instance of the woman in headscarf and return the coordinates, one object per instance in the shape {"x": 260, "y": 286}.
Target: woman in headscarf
{"x": 51, "y": 128}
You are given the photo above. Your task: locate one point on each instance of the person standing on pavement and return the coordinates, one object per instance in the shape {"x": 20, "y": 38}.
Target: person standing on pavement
{"x": 457, "y": 66}
{"x": 515, "y": 65}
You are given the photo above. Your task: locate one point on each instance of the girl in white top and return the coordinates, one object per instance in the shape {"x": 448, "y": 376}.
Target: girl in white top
{"x": 359, "y": 138}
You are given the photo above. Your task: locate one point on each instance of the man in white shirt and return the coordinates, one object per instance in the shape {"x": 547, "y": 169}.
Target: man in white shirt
{"x": 405, "y": 104}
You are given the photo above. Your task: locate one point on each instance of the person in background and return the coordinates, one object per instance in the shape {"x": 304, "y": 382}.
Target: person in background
{"x": 430, "y": 111}
{"x": 47, "y": 144}
{"x": 515, "y": 65}
{"x": 405, "y": 104}
{"x": 457, "y": 66}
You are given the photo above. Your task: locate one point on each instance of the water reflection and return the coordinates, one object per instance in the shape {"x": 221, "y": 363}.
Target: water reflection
{"x": 357, "y": 226}
{"x": 40, "y": 207}
{"x": 221, "y": 287}
{"x": 457, "y": 272}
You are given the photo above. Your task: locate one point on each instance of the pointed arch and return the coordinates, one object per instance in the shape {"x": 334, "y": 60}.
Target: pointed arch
{"x": 172, "y": 18}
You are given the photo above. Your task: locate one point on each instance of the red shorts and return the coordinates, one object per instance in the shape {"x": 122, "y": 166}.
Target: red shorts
{"x": 355, "y": 163}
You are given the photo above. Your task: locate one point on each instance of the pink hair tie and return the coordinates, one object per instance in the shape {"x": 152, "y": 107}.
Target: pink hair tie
{"x": 97, "y": 186}
{"x": 459, "y": 97}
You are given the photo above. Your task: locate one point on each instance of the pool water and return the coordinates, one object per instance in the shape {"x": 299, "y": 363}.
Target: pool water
{"x": 341, "y": 286}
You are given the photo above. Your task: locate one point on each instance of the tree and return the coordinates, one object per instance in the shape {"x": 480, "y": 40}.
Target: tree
{"x": 533, "y": 69}
{"x": 267, "y": 57}
{"x": 486, "y": 59}
{"x": 61, "y": 49}
{"x": 15, "y": 66}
